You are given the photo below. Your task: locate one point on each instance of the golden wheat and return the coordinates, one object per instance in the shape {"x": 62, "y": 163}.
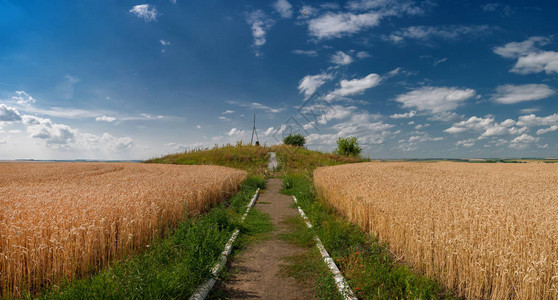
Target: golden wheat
{"x": 489, "y": 231}
{"x": 60, "y": 220}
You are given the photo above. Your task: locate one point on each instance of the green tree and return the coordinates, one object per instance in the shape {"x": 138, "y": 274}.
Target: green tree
{"x": 348, "y": 146}
{"x": 295, "y": 140}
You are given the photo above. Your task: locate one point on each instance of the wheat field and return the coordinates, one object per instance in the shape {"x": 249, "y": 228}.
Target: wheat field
{"x": 61, "y": 220}
{"x": 489, "y": 231}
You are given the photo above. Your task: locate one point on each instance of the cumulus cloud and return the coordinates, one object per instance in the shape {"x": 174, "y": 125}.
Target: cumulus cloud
{"x": 165, "y": 43}
{"x": 146, "y": 12}
{"x": 366, "y": 127}
{"x": 410, "y": 114}
{"x": 546, "y": 130}
{"x": 523, "y": 141}
{"x": 105, "y": 119}
{"x": 50, "y": 132}
{"x": 228, "y": 112}
{"x": 235, "y": 131}
{"x": 354, "y": 86}
{"x": 488, "y": 126}
{"x": 310, "y": 53}
{"x": 473, "y": 123}
{"x": 509, "y": 94}
{"x": 334, "y": 25}
{"x": 341, "y": 58}
{"x": 284, "y": 8}
{"x": 530, "y": 58}
{"x": 468, "y": 143}
{"x": 435, "y": 99}
{"x": 310, "y": 83}
{"x": 9, "y": 114}
{"x": 260, "y": 23}
{"x": 532, "y": 120}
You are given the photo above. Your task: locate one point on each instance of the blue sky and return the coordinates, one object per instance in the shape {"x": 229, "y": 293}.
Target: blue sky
{"x": 409, "y": 79}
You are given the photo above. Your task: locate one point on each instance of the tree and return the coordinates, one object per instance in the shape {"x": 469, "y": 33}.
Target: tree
{"x": 348, "y": 146}
{"x": 295, "y": 140}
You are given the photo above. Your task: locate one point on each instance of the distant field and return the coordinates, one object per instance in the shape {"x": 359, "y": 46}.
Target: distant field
{"x": 489, "y": 231}
{"x": 61, "y": 220}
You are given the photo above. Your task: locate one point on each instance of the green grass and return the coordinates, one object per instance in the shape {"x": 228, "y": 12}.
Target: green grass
{"x": 252, "y": 159}
{"x": 173, "y": 267}
{"x": 366, "y": 264}
{"x": 300, "y": 160}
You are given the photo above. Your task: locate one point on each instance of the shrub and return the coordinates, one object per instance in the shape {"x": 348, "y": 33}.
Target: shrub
{"x": 348, "y": 146}
{"x": 295, "y": 140}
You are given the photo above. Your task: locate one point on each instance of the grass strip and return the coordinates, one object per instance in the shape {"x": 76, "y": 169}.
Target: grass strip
{"x": 172, "y": 267}
{"x": 363, "y": 260}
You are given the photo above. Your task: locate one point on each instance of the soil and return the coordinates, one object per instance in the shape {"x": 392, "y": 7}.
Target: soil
{"x": 256, "y": 272}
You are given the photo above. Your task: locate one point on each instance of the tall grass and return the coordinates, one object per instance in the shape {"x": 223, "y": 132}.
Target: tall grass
{"x": 62, "y": 220}
{"x": 489, "y": 231}
{"x": 252, "y": 159}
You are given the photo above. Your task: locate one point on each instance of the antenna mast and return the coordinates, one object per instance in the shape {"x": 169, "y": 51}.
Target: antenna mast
{"x": 255, "y": 132}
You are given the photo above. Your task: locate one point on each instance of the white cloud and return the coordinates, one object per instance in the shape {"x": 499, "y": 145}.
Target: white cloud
{"x": 228, "y": 111}
{"x": 51, "y": 133}
{"x": 257, "y": 106}
{"x": 533, "y": 121}
{"x": 529, "y": 110}
{"x": 105, "y": 119}
{"x": 388, "y": 7}
{"x": 310, "y": 83}
{"x": 489, "y": 127}
{"x": 439, "y": 61}
{"x": 364, "y": 126}
{"x": 146, "y": 12}
{"x": 546, "y": 130}
{"x": 530, "y": 58}
{"x": 435, "y": 99}
{"x": 410, "y": 114}
{"x": 9, "y": 114}
{"x": 354, "y": 86}
{"x": 284, "y": 8}
{"x": 523, "y": 141}
{"x": 165, "y": 43}
{"x": 235, "y": 131}
{"x": 362, "y": 54}
{"x": 468, "y": 143}
{"x": 198, "y": 126}
{"x": 421, "y": 126}
{"x": 341, "y": 58}
{"x": 22, "y": 98}
{"x": 222, "y": 118}
{"x": 310, "y": 53}
{"x": 509, "y": 94}
{"x": 269, "y": 131}
{"x": 517, "y": 49}
{"x": 448, "y": 32}
{"x": 445, "y": 117}
{"x": 473, "y": 123}
{"x": 260, "y": 23}
{"x": 334, "y": 25}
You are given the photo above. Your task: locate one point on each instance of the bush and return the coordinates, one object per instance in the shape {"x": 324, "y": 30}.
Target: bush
{"x": 295, "y": 140}
{"x": 348, "y": 146}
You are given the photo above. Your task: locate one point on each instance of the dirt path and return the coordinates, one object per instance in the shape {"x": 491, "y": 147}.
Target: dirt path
{"x": 256, "y": 270}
